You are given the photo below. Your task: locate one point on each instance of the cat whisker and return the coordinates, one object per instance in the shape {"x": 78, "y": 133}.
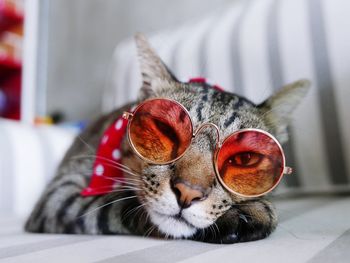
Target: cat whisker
{"x": 136, "y": 175}
{"x": 93, "y": 156}
{"x": 217, "y": 228}
{"x": 85, "y": 143}
{"x": 147, "y": 214}
{"x": 110, "y": 163}
{"x": 212, "y": 230}
{"x": 135, "y": 210}
{"x": 149, "y": 231}
{"x": 139, "y": 210}
{"x": 126, "y": 185}
{"x": 113, "y": 164}
{"x": 120, "y": 187}
{"x": 127, "y": 179}
{"x": 124, "y": 180}
{"x": 144, "y": 212}
{"x": 124, "y": 190}
{"x": 203, "y": 234}
{"x": 104, "y": 205}
{"x": 242, "y": 204}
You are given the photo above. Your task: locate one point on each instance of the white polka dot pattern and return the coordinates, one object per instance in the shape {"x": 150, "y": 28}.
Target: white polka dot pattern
{"x": 105, "y": 139}
{"x": 107, "y": 152}
{"x": 116, "y": 154}
{"x": 119, "y": 124}
{"x": 99, "y": 170}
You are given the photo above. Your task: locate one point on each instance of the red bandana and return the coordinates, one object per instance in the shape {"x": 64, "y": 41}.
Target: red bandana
{"x": 106, "y": 176}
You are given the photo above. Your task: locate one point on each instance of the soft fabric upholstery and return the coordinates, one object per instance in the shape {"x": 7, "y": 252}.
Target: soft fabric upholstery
{"x": 29, "y": 156}
{"x": 311, "y": 230}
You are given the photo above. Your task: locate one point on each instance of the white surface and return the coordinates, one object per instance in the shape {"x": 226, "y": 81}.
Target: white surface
{"x": 29, "y": 156}
{"x": 310, "y": 227}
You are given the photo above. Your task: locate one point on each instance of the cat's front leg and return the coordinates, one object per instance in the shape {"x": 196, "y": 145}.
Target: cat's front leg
{"x": 247, "y": 221}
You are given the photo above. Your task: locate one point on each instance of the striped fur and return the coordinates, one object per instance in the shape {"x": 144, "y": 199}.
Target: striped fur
{"x": 146, "y": 203}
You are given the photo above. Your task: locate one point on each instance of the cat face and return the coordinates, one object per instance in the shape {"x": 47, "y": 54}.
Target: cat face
{"x": 185, "y": 196}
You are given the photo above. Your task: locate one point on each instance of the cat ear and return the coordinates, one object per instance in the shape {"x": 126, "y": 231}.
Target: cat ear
{"x": 152, "y": 67}
{"x": 278, "y": 108}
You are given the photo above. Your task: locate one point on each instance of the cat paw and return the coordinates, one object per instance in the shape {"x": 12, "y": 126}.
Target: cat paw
{"x": 228, "y": 239}
{"x": 224, "y": 231}
{"x": 242, "y": 223}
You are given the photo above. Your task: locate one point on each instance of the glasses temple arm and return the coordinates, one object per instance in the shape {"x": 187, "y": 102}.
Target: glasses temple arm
{"x": 127, "y": 115}
{"x": 287, "y": 170}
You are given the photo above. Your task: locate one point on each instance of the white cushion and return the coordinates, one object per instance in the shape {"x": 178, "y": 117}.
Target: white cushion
{"x": 29, "y": 156}
{"x": 297, "y": 239}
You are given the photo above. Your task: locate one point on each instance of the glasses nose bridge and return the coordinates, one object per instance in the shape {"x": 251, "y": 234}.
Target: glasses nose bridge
{"x": 209, "y": 124}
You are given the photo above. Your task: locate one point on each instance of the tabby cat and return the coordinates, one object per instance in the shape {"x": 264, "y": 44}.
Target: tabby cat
{"x": 148, "y": 204}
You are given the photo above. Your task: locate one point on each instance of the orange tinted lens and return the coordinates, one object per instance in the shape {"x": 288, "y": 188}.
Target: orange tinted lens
{"x": 250, "y": 163}
{"x": 161, "y": 130}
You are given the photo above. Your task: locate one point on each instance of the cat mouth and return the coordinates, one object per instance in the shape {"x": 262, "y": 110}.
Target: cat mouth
{"x": 173, "y": 225}
{"x": 179, "y": 217}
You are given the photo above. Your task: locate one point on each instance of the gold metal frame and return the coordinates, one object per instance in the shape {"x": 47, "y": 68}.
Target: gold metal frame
{"x": 285, "y": 169}
{"x": 129, "y": 116}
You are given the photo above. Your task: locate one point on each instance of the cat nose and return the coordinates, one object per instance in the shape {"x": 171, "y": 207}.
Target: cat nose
{"x": 187, "y": 194}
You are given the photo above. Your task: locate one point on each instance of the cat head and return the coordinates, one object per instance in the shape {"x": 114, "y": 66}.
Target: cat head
{"x": 185, "y": 196}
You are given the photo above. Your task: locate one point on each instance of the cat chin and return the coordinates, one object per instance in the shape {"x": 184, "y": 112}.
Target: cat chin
{"x": 171, "y": 226}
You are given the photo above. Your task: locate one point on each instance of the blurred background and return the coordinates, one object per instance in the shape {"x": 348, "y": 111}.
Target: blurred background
{"x": 69, "y": 47}
{"x": 64, "y": 62}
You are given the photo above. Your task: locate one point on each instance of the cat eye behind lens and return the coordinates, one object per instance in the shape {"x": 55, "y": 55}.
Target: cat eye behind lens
{"x": 160, "y": 131}
{"x": 249, "y": 162}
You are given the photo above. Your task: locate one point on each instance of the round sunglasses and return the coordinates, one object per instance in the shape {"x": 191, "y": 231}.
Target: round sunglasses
{"x": 248, "y": 162}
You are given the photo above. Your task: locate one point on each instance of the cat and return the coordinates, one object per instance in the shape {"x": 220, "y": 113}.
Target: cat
{"x": 147, "y": 204}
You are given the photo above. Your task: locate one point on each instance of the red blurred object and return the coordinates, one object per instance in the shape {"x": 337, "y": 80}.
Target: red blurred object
{"x": 106, "y": 176}
{"x": 10, "y": 88}
{"x": 10, "y": 14}
{"x": 11, "y": 34}
{"x": 11, "y": 49}
{"x": 8, "y": 62}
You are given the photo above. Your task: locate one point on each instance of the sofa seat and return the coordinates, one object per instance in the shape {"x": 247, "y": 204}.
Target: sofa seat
{"x": 313, "y": 228}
